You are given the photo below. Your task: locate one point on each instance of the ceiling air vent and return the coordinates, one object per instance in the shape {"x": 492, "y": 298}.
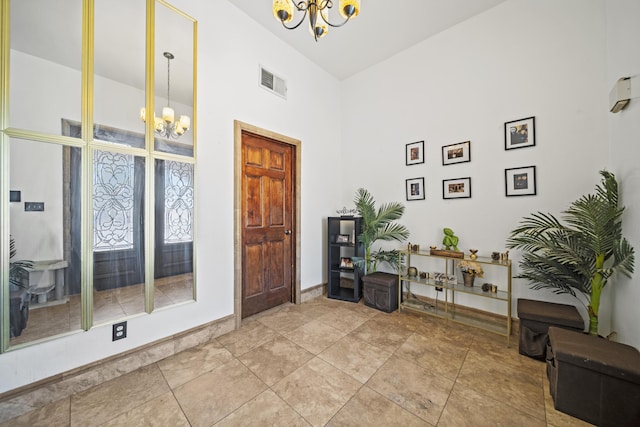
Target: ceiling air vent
{"x": 273, "y": 83}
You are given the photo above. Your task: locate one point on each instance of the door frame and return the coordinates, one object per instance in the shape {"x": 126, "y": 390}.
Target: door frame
{"x": 240, "y": 127}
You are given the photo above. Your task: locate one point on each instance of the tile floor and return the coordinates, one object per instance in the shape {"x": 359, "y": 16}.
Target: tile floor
{"x": 325, "y": 362}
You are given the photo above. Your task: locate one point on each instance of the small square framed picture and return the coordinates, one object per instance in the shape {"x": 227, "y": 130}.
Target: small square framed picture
{"x": 415, "y": 153}
{"x": 520, "y": 181}
{"x": 520, "y": 133}
{"x": 456, "y": 153}
{"x": 415, "y": 189}
{"x": 459, "y": 188}
{"x": 342, "y": 238}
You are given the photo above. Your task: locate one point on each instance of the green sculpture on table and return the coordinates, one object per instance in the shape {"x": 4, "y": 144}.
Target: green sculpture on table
{"x": 450, "y": 240}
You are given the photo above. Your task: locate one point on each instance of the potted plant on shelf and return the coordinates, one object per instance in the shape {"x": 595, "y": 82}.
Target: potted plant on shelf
{"x": 581, "y": 255}
{"x": 470, "y": 270}
{"x": 378, "y": 225}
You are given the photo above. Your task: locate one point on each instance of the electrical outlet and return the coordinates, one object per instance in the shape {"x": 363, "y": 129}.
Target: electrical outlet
{"x": 33, "y": 206}
{"x": 119, "y": 331}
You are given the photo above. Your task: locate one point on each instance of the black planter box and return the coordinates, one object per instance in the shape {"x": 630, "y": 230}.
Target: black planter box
{"x": 381, "y": 291}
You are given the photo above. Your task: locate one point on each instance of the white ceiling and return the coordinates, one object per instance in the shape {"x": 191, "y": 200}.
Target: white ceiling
{"x": 377, "y": 33}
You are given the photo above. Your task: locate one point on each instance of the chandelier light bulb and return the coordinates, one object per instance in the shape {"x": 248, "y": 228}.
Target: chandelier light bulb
{"x": 318, "y": 11}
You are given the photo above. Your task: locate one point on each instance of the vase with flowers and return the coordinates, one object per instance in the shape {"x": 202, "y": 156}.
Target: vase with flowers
{"x": 470, "y": 270}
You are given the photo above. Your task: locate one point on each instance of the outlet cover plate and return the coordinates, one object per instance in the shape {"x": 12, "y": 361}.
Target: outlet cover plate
{"x": 33, "y": 206}
{"x": 119, "y": 331}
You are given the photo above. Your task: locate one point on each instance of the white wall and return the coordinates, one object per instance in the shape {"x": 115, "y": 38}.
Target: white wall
{"x": 519, "y": 59}
{"x": 623, "y": 35}
{"x": 230, "y": 47}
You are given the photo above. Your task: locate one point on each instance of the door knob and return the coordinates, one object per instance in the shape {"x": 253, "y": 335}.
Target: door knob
{"x": 287, "y": 232}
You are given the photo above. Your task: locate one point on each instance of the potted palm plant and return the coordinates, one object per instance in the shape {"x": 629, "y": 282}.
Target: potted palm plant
{"x": 16, "y": 268}
{"x": 378, "y": 225}
{"x": 581, "y": 255}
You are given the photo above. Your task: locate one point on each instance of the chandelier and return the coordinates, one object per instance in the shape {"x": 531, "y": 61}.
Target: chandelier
{"x": 318, "y": 11}
{"x": 166, "y": 125}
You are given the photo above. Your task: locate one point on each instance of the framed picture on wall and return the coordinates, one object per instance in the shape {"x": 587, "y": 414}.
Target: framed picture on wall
{"x": 456, "y": 153}
{"x": 458, "y": 188}
{"x": 415, "y": 188}
{"x": 520, "y": 133}
{"x": 520, "y": 181}
{"x": 415, "y": 153}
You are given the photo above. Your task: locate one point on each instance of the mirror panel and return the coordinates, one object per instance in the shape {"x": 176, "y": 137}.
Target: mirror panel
{"x": 43, "y": 300}
{"x": 119, "y": 68}
{"x": 174, "y": 219}
{"x": 118, "y": 235}
{"x": 45, "y": 77}
{"x": 174, "y": 66}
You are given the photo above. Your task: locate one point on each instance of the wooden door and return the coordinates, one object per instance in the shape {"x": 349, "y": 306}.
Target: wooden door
{"x": 268, "y": 258}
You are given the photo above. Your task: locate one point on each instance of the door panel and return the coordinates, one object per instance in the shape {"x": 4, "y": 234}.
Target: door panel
{"x": 267, "y": 238}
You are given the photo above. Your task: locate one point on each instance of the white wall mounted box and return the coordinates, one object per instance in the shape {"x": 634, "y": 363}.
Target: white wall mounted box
{"x": 620, "y": 95}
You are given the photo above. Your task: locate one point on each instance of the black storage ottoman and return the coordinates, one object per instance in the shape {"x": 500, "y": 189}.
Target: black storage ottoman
{"x": 381, "y": 291}
{"x": 594, "y": 379}
{"x": 535, "y": 319}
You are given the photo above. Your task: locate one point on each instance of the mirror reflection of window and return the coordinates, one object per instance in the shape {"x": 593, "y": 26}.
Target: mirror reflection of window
{"x": 118, "y": 240}
{"x": 174, "y": 232}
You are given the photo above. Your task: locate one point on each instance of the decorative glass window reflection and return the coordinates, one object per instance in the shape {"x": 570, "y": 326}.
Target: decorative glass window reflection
{"x": 178, "y": 190}
{"x": 113, "y": 190}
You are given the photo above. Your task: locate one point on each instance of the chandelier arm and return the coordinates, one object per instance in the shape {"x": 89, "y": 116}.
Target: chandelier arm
{"x": 302, "y": 6}
{"x": 298, "y": 24}
{"x": 335, "y": 25}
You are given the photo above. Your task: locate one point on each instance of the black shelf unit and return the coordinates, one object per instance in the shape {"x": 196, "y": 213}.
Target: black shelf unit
{"x": 344, "y": 279}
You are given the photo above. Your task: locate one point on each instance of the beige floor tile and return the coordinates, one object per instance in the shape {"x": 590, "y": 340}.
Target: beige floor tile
{"x": 214, "y": 395}
{"x": 416, "y": 389}
{"x": 267, "y": 409}
{"x": 450, "y": 332}
{"x": 468, "y": 408}
{"x": 52, "y": 415}
{"x": 284, "y": 320}
{"x": 275, "y": 359}
{"x": 193, "y": 362}
{"x": 316, "y": 307}
{"x": 513, "y": 380}
{"x": 355, "y": 357}
{"x": 161, "y": 411}
{"x": 381, "y": 333}
{"x": 106, "y": 401}
{"x": 315, "y": 336}
{"x": 406, "y": 322}
{"x": 250, "y": 335}
{"x": 317, "y": 391}
{"x": 345, "y": 319}
{"x": 368, "y": 408}
{"x": 441, "y": 357}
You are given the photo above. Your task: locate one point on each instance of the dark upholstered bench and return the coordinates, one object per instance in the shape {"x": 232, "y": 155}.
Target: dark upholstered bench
{"x": 535, "y": 319}
{"x": 594, "y": 379}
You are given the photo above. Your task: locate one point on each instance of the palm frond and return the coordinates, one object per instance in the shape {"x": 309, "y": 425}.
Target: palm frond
{"x": 17, "y": 268}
